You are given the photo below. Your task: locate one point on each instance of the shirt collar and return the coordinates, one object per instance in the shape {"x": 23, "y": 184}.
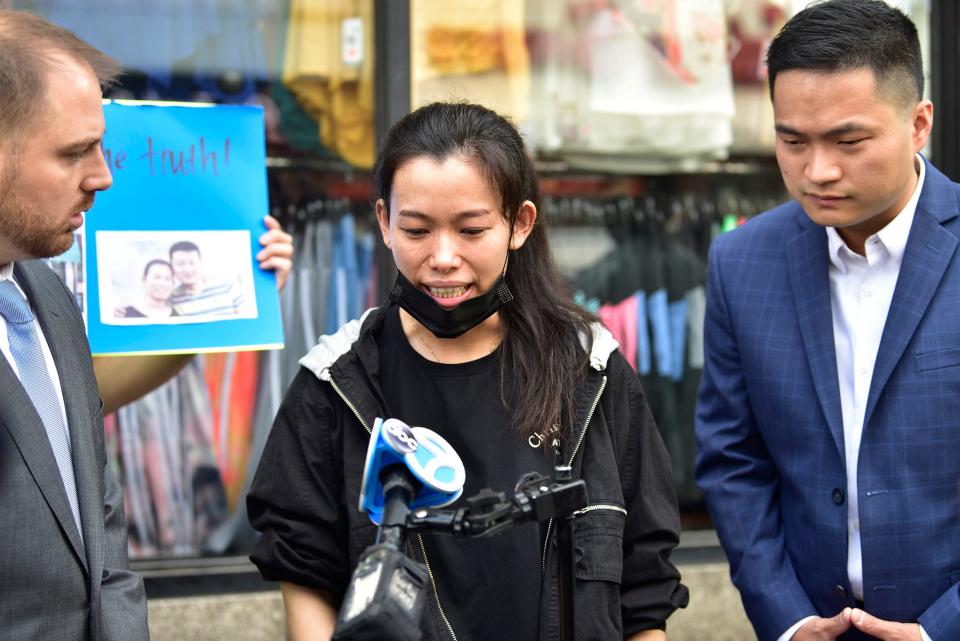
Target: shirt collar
{"x": 6, "y": 271}
{"x": 893, "y": 237}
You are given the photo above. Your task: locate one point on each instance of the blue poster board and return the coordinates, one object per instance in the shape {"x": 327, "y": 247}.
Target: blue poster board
{"x": 181, "y": 173}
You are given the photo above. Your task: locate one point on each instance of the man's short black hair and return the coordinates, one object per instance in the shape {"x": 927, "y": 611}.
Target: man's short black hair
{"x": 844, "y": 35}
{"x": 183, "y": 246}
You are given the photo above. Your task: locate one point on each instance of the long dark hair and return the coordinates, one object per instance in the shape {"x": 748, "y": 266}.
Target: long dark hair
{"x": 542, "y": 355}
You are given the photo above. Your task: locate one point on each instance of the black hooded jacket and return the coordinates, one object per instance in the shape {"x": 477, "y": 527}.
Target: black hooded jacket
{"x": 304, "y": 495}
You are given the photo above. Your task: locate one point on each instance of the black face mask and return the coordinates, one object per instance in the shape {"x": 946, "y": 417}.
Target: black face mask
{"x": 449, "y": 323}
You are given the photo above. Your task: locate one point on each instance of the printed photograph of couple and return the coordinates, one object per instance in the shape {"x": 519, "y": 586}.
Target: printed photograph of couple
{"x": 174, "y": 277}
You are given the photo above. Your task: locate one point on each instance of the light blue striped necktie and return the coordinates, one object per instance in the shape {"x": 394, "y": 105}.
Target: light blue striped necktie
{"x": 35, "y": 377}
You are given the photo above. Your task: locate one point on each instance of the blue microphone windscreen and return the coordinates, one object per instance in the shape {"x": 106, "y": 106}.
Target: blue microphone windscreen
{"x": 428, "y": 456}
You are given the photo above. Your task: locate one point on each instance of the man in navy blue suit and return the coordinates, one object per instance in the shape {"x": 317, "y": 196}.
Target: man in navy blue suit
{"x": 828, "y": 422}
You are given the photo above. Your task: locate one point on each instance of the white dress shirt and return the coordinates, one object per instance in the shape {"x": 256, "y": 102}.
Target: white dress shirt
{"x": 6, "y": 273}
{"x": 861, "y": 288}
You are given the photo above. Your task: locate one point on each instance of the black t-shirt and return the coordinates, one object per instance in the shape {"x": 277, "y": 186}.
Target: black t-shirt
{"x": 489, "y": 587}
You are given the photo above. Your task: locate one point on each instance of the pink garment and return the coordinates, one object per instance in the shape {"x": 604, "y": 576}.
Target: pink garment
{"x": 621, "y": 319}
{"x": 372, "y": 291}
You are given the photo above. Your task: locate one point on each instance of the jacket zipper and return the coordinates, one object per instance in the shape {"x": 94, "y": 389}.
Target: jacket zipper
{"x": 576, "y": 449}
{"x": 601, "y": 507}
{"x": 325, "y": 376}
{"x": 433, "y": 586}
{"x": 597, "y": 507}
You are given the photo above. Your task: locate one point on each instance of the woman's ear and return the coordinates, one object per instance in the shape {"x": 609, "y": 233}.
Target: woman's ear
{"x": 383, "y": 218}
{"x": 526, "y": 218}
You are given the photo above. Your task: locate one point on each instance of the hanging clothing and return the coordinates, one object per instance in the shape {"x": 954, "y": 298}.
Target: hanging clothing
{"x": 475, "y": 50}
{"x": 171, "y": 480}
{"x": 232, "y": 380}
{"x": 333, "y": 87}
{"x": 631, "y": 86}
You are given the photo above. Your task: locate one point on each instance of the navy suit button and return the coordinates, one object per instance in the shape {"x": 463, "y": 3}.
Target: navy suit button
{"x": 840, "y": 591}
{"x": 838, "y": 496}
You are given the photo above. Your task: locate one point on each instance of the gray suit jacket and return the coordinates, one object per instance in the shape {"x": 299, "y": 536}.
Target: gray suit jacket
{"x": 52, "y": 586}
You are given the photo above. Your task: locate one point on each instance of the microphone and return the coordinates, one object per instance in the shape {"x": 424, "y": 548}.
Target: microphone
{"x": 420, "y": 456}
{"x": 406, "y": 468}
{"x": 408, "y": 471}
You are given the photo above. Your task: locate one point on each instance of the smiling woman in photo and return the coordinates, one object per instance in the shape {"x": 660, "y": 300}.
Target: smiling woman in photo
{"x": 155, "y": 293}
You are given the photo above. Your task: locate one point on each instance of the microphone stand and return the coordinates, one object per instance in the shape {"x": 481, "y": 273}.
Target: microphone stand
{"x": 399, "y": 488}
{"x": 566, "y": 563}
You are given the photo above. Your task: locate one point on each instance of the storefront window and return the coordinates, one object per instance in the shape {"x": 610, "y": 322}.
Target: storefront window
{"x": 651, "y": 125}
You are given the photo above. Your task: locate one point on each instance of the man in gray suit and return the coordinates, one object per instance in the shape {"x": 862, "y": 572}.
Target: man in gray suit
{"x": 63, "y": 547}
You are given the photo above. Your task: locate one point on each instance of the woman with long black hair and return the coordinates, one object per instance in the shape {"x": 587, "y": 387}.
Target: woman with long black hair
{"x": 481, "y": 342}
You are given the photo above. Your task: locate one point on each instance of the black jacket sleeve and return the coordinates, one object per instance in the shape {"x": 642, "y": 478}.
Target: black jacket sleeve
{"x": 296, "y": 498}
{"x": 650, "y": 586}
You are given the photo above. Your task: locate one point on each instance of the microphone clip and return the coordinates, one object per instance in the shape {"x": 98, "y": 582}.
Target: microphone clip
{"x": 487, "y": 513}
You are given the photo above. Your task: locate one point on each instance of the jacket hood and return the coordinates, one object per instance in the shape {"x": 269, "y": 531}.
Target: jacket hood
{"x": 332, "y": 346}
{"x": 604, "y": 344}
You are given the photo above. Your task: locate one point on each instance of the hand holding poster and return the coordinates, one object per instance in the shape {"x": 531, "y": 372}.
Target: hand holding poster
{"x": 171, "y": 245}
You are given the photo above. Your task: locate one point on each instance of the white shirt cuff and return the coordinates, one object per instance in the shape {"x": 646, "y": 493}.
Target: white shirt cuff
{"x": 923, "y": 633}
{"x": 792, "y": 630}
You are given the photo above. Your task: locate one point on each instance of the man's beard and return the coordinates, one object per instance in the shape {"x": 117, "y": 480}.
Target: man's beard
{"x": 28, "y": 233}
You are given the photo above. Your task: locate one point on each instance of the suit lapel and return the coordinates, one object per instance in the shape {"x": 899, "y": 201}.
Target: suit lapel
{"x": 808, "y": 266}
{"x": 929, "y": 252}
{"x": 62, "y": 343}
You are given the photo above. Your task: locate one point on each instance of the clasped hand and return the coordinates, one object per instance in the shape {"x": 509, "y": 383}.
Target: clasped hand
{"x": 828, "y": 629}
